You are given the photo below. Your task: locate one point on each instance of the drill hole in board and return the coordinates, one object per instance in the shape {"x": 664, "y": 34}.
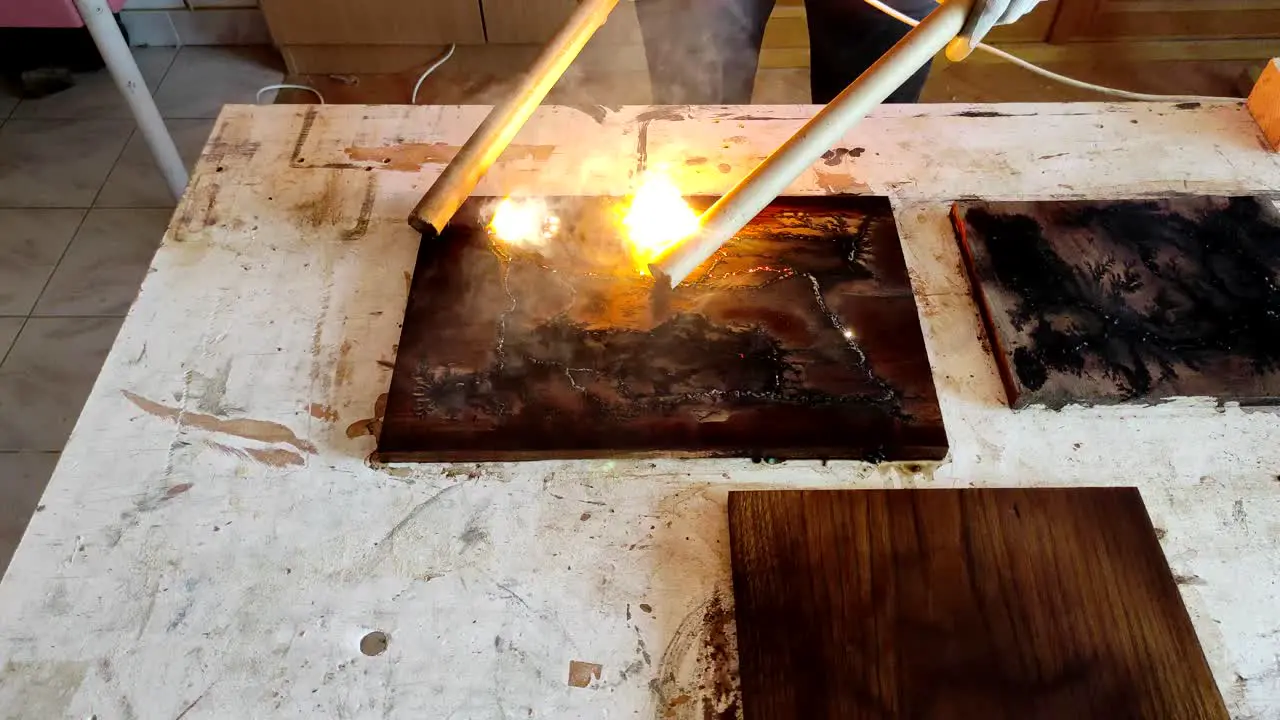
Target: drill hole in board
{"x": 374, "y": 643}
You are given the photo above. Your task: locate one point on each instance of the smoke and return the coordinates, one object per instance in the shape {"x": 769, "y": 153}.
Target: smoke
{"x": 703, "y": 52}
{"x": 650, "y": 51}
{"x": 669, "y": 52}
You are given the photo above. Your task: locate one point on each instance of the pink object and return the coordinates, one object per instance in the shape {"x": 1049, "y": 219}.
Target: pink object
{"x": 44, "y": 13}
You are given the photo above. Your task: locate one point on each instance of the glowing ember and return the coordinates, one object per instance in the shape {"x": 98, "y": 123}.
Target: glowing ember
{"x": 657, "y": 220}
{"x": 524, "y": 222}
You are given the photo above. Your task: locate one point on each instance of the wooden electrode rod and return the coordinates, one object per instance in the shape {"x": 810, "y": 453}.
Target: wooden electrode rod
{"x": 759, "y": 188}
{"x": 482, "y": 149}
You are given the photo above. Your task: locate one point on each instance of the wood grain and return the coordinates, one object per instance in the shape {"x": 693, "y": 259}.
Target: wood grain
{"x": 800, "y": 339}
{"x": 1044, "y": 603}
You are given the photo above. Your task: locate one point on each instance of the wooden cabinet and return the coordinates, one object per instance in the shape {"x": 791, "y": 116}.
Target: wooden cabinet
{"x": 1166, "y": 20}
{"x": 616, "y": 47}
{"x": 535, "y": 21}
{"x": 373, "y": 22}
{"x": 786, "y": 38}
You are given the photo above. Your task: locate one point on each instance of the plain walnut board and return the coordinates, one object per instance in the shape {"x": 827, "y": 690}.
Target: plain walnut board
{"x": 216, "y": 542}
{"x": 799, "y": 339}
{"x": 1052, "y": 604}
{"x": 1128, "y": 301}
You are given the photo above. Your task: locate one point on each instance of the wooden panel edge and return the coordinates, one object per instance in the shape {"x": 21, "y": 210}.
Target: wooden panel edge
{"x": 1264, "y": 103}
{"x": 994, "y": 345}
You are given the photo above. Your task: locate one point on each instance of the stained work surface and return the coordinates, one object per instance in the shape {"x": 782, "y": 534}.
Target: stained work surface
{"x": 1044, "y": 603}
{"x": 1103, "y": 302}
{"x": 799, "y": 339}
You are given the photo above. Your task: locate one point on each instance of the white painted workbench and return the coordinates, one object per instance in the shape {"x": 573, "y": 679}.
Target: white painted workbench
{"x": 214, "y": 542}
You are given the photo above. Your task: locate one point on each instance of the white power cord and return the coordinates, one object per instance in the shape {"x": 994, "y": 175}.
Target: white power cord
{"x": 1125, "y": 94}
{"x": 286, "y": 86}
{"x": 413, "y": 99}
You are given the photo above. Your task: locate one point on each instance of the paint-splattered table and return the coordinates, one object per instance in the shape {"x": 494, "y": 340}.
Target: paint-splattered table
{"x": 215, "y": 543}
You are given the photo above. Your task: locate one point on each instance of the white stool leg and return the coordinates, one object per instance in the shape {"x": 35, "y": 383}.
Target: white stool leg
{"x": 106, "y": 35}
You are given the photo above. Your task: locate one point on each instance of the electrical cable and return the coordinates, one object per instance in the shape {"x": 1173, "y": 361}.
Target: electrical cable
{"x": 413, "y": 99}
{"x": 287, "y": 86}
{"x": 1114, "y": 92}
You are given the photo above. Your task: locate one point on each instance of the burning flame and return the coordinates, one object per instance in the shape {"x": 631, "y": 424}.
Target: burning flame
{"x": 657, "y": 220}
{"x": 524, "y": 222}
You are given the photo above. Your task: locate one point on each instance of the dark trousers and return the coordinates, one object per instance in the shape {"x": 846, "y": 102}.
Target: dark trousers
{"x": 705, "y": 52}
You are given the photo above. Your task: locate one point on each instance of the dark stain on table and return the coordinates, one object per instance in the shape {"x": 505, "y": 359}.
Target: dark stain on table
{"x": 1129, "y": 301}
{"x": 800, "y": 338}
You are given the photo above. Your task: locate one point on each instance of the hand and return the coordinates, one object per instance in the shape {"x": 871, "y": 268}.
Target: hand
{"x": 986, "y": 14}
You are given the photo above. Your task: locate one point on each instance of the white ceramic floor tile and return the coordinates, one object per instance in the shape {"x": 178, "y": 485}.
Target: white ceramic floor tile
{"x": 47, "y": 376}
{"x": 136, "y": 182}
{"x": 9, "y": 327}
{"x": 105, "y": 264}
{"x": 57, "y": 163}
{"x": 203, "y": 79}
{"x": 23, "y": 477}
{"x": 32, "y": 241}
{"x": 95, "y": 94}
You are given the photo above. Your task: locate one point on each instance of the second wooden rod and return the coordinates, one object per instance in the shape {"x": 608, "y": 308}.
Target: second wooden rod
{"x": 772, "y": 177}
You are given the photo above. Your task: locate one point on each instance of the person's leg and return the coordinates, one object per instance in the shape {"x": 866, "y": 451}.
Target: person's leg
{"x": 847, "y": 36}
{"x": 703, "y": 52}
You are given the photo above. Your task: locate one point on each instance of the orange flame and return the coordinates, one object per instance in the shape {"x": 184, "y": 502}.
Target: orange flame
{"x": 657, "y": 220}
{"x": 653, "y": 220}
